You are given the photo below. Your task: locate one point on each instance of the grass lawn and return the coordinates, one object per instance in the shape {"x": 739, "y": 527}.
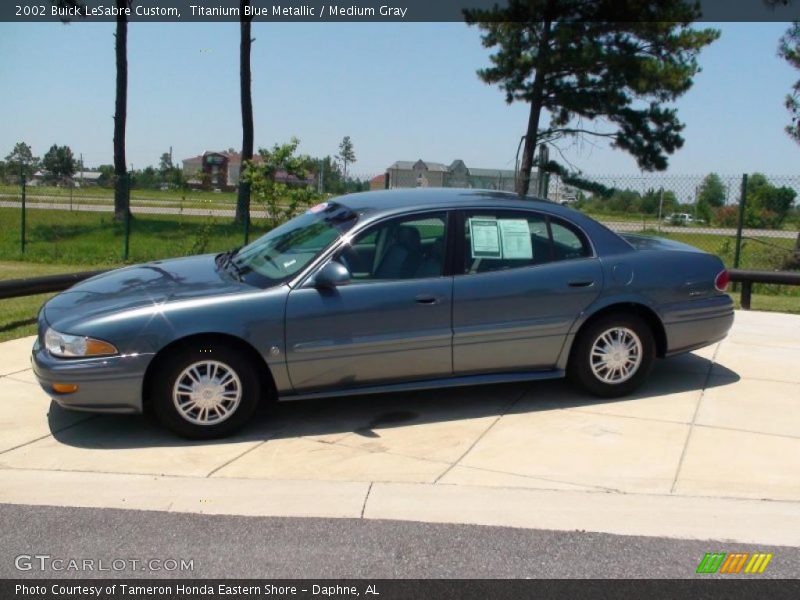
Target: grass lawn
{"x": 627, "y": 217}
{"x": 55, "y": 236}
{"x": 757, "y": 253}
{"x": 785, "y": 304}
{"x": 63, "y": 236}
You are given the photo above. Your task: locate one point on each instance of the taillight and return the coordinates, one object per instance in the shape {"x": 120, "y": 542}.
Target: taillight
{"x": 722, "y": 280}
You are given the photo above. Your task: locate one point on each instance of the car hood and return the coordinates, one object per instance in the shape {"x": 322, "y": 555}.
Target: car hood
{"x": 140, "y": 285}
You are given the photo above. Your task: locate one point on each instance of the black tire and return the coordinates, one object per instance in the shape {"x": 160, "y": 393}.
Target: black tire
{"x": 173, "y": 366}
{"x": 580, "y": 371}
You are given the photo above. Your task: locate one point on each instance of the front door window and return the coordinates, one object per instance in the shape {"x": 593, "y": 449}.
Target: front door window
{"x": 407, "y": 248}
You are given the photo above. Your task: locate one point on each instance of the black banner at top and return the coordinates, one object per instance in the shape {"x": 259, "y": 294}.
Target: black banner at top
{"x": 323, "y": 11}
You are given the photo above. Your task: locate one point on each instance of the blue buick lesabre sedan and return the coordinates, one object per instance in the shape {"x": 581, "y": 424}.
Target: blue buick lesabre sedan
{"x": 379, "y": 292}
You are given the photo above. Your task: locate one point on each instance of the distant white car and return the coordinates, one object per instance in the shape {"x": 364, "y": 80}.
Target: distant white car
{"x": 680, "y": 219}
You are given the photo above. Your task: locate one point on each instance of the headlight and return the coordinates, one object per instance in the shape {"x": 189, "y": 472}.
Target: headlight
{"x": 75, "y": 346}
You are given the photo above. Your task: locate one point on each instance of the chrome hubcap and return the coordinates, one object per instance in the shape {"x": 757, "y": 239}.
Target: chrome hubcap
{"x": 616, "y": 355}
{"x": 207, "y": 392}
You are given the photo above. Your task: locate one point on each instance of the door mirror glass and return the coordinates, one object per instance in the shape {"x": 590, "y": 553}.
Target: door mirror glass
{"x": 332, "y": 275}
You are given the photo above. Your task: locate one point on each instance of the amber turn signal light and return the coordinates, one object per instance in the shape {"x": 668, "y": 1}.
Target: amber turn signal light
{"x": 98, "y": 347}
{"x": 65, "y": 388}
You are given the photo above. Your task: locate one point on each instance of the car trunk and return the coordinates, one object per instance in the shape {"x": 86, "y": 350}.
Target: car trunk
{"x": 642, "y": 242}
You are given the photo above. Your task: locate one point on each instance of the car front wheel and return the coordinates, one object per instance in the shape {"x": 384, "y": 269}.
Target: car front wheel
{"x": 206, "y": 392}
{"x": 613, "y": 355}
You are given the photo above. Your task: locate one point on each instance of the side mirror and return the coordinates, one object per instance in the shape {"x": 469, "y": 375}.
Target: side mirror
{"x": 332, "y": 275}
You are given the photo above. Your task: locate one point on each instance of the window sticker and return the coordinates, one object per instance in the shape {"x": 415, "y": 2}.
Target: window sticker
{"x": 516, "y": 239}
{"x": 484, "y": 238}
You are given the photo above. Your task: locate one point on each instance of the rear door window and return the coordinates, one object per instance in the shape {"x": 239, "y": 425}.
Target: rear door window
{"x": 568, "y": 242}
{"x": 497, "y": 240}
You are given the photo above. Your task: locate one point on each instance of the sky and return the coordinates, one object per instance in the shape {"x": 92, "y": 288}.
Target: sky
{"x": 401, "y": 91}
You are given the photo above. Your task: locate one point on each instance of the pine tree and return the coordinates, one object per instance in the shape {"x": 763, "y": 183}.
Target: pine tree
{"x": 347, "y": 153}
{"x": 789, "y": 49}
{"x": 615, "y": 65}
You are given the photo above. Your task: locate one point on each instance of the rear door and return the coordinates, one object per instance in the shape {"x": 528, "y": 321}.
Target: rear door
{"x": 522, "y": 278}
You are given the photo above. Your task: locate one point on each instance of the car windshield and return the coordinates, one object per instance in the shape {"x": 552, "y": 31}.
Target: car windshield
{"x": 283, "y": 252}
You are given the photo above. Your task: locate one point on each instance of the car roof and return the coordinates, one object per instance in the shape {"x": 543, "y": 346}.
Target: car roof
{"x": 406, "y": 199}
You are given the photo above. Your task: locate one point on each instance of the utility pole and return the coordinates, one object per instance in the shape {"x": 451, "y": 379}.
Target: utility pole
{"x": 740, "y": 224}
{"x": 542, "y": 176}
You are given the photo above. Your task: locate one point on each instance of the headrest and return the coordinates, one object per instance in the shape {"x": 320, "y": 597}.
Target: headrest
{"x": 437, "y": 248}
{"x": 408, "y": 237}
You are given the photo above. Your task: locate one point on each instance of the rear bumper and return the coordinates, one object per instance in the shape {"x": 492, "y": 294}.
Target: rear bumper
{"x": 111, "y": 384}
{"x": 698, "y": 323}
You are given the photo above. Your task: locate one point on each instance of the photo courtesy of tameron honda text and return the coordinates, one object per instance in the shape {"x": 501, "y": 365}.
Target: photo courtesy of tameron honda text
{"x": 190, "y": 590}
{"x": 62, "y": 589}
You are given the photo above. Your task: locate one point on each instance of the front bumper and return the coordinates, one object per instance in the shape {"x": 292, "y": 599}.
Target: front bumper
{"x": 111, "y": 384}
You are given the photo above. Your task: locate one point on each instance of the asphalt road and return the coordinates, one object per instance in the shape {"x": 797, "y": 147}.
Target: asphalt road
{"x": 229, "y": 547}
{"x": 621, "y": 226}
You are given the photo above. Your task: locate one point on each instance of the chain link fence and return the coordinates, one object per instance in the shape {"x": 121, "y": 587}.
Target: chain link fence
{"x": 77, "y": 225}
{"x": 750, "y": 221}
{"x": 757, "y": 229}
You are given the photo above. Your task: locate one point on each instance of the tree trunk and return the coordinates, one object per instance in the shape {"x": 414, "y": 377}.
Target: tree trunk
{"x": 531, "y": 135}
{"x": 121, "y": 182}
{"x": 243, "y": 198}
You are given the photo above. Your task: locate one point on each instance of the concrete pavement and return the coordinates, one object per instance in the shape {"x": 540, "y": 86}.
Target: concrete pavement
{"x": 709, "y": 448}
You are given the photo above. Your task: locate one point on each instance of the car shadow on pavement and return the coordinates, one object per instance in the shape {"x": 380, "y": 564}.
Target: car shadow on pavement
{"x": 367, "y": 416}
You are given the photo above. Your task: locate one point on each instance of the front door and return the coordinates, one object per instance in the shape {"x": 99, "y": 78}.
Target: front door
{"x": 391, "y": 323}
{"x": 521, "y": 281}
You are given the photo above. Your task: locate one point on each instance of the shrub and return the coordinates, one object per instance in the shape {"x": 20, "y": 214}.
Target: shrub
{"x": 727, "y": 216}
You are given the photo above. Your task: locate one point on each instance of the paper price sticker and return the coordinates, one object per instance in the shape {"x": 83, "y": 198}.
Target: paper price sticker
{"x": 485, "y": 238}
{"x": 515, "y": 237}
{"x": 500, "y": 238}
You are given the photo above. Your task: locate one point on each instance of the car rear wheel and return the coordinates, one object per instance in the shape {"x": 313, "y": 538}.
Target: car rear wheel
{"x": 205, "y": 392}
{"x": 613, "y": 355}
